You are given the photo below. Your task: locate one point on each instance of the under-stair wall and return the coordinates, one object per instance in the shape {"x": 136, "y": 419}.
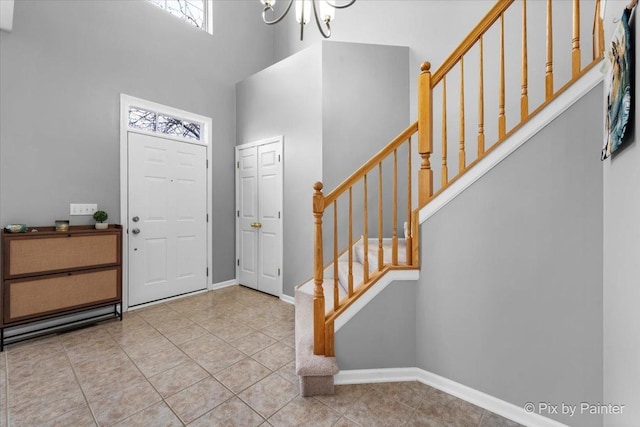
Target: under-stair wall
{"x": 510, "y": 289}
{"x": 382, "y": 334}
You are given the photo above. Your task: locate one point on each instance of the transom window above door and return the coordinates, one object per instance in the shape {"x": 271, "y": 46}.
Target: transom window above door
{"x": 151, "y": 121}
{"x": 195, "y": 12}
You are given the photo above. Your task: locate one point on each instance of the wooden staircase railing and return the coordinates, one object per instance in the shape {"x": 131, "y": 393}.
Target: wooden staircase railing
{"x": 424, "y": 127}
{"x": 359, "y": 182}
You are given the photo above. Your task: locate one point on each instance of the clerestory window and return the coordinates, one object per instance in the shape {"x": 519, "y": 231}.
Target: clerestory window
{"x": 195, "y": 12}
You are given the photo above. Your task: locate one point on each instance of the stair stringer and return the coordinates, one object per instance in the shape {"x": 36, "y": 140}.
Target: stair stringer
{"x": 520, "y": 136}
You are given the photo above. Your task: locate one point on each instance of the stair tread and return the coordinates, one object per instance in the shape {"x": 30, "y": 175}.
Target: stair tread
{"x": 386, "y": 249}
{"x": 327, "y": 286}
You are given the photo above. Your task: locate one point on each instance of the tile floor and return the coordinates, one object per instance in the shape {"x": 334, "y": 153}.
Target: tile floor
{"x": 223, "y": 358}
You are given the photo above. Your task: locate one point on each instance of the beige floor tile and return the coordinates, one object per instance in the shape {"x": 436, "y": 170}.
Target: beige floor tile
{"x": 253, "y": 343}
{"x": 241, "y": 375}
{"x": 345, "y": 422}
{"x": 147, "y": 347}
{"x": 132, "y": 336}
{"x": 489, "y": 419}
{"x": 33, "y": 350}
{"x": 229, "y": 330}
{"x": 177, "y": 379}
{"x": 99, "y": 351}
{"x": 105, "y": 382}
{"x": 289, "y": 341}
{"x": 35, "y": 363}
{"x": 187, "y": 333}
{"x": 161, "y": 361}
{"x": 93, "y": 367}
{"x": 157, "y": 310}
{"x": 448, "y": 410}
{"x": 345, "y": 396}
{"x": 84, "y": 336}
{"x": 38, "y": 383}
{"x": 157, "y": 415}
{"x": 410, "y": 393}
{"x": 260, "y": 320}
{"x": 232, "y": 413}
{"x": 375, "y": 409}
{"x": 288, "y": 372}
{"x": 198, "y": 399}
{"x": 42, "y": 387}
{"x": 279, "y": 330}
{"x": 130, "y": 321}
{"x": 304, "y": 411}
{"x": 276, "y": 356}
{"x": 80, "y": 417}
{"x": 123, "y": 403}
{"x": 56, "y": 366}
{"x": 201, "y": 345}
{"x": 221, "y": 357}
{"x": 173, "y": 324}
{"x": 48, "y": 407}
{"x": 269, "y": 395}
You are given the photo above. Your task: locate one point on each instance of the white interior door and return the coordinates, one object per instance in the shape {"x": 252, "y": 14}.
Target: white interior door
{"x": 167, "y": 218}
{"x": 269, "y": 207}
{"x": 248, "y": 216}
{"x": 259, "y": 196}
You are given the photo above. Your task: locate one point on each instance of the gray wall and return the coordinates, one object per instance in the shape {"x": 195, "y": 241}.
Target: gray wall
{"x": 336, "y": 104}
{"x": 382, "y": 334}
{"x": 432, "y": 30}
{"x": 621, "y": 174}
{"x": 62, "y": 69}
{"x": 365, "y": 104}
{"x": 286, "y": 99}
{"x": 510, "y": 293}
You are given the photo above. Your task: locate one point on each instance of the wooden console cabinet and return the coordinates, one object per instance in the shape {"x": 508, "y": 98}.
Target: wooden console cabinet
{"x": 50, "y": 273}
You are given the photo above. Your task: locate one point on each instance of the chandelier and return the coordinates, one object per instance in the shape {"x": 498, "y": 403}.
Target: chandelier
{"x": 323, "y": 11}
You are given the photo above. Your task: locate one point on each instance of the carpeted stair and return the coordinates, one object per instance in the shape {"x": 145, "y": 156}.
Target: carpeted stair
{"x": 316, "y": 372}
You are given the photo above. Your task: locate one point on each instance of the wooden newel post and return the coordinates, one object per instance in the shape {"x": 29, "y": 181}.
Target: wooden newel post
{"x": 425, "y": 134}
{"x": 318, "y": 278}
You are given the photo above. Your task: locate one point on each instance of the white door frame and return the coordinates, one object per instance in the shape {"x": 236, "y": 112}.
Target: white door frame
{"x": 279, "y": 139}
{"x": 206, "y": 136}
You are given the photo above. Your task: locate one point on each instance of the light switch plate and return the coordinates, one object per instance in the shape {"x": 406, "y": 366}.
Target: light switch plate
{"x": 82, "y": 208}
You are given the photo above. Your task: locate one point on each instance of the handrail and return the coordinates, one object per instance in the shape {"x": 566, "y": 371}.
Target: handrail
{"x": 424, "y": 127}
{"x": 467, "y": 43}
{"x": 370, "y": 164}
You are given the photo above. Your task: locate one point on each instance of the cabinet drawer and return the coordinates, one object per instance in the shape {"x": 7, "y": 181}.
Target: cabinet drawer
{"x": 39, "y": 296}
{"x": 39, "y": 255}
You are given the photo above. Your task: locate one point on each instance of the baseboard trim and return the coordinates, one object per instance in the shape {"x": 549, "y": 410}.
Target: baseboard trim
{"x": 565, "y": 100}
{"x": 288, "y": 299}
{"x": 478, "y": 398}
{"x": 224, "y": 284}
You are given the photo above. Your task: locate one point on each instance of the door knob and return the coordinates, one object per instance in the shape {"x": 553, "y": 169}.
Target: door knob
{"x": 135, "y": 219}
{"x": 136, "y": 231}
{"x": 256, "y": 224}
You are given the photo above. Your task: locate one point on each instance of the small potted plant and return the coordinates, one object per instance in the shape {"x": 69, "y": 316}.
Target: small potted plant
{"x": 101, "y": 217}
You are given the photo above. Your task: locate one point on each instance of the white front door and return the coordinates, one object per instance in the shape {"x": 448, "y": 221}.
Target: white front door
{"x": 166, "y": 219}
{"x": 260, "y": 216}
